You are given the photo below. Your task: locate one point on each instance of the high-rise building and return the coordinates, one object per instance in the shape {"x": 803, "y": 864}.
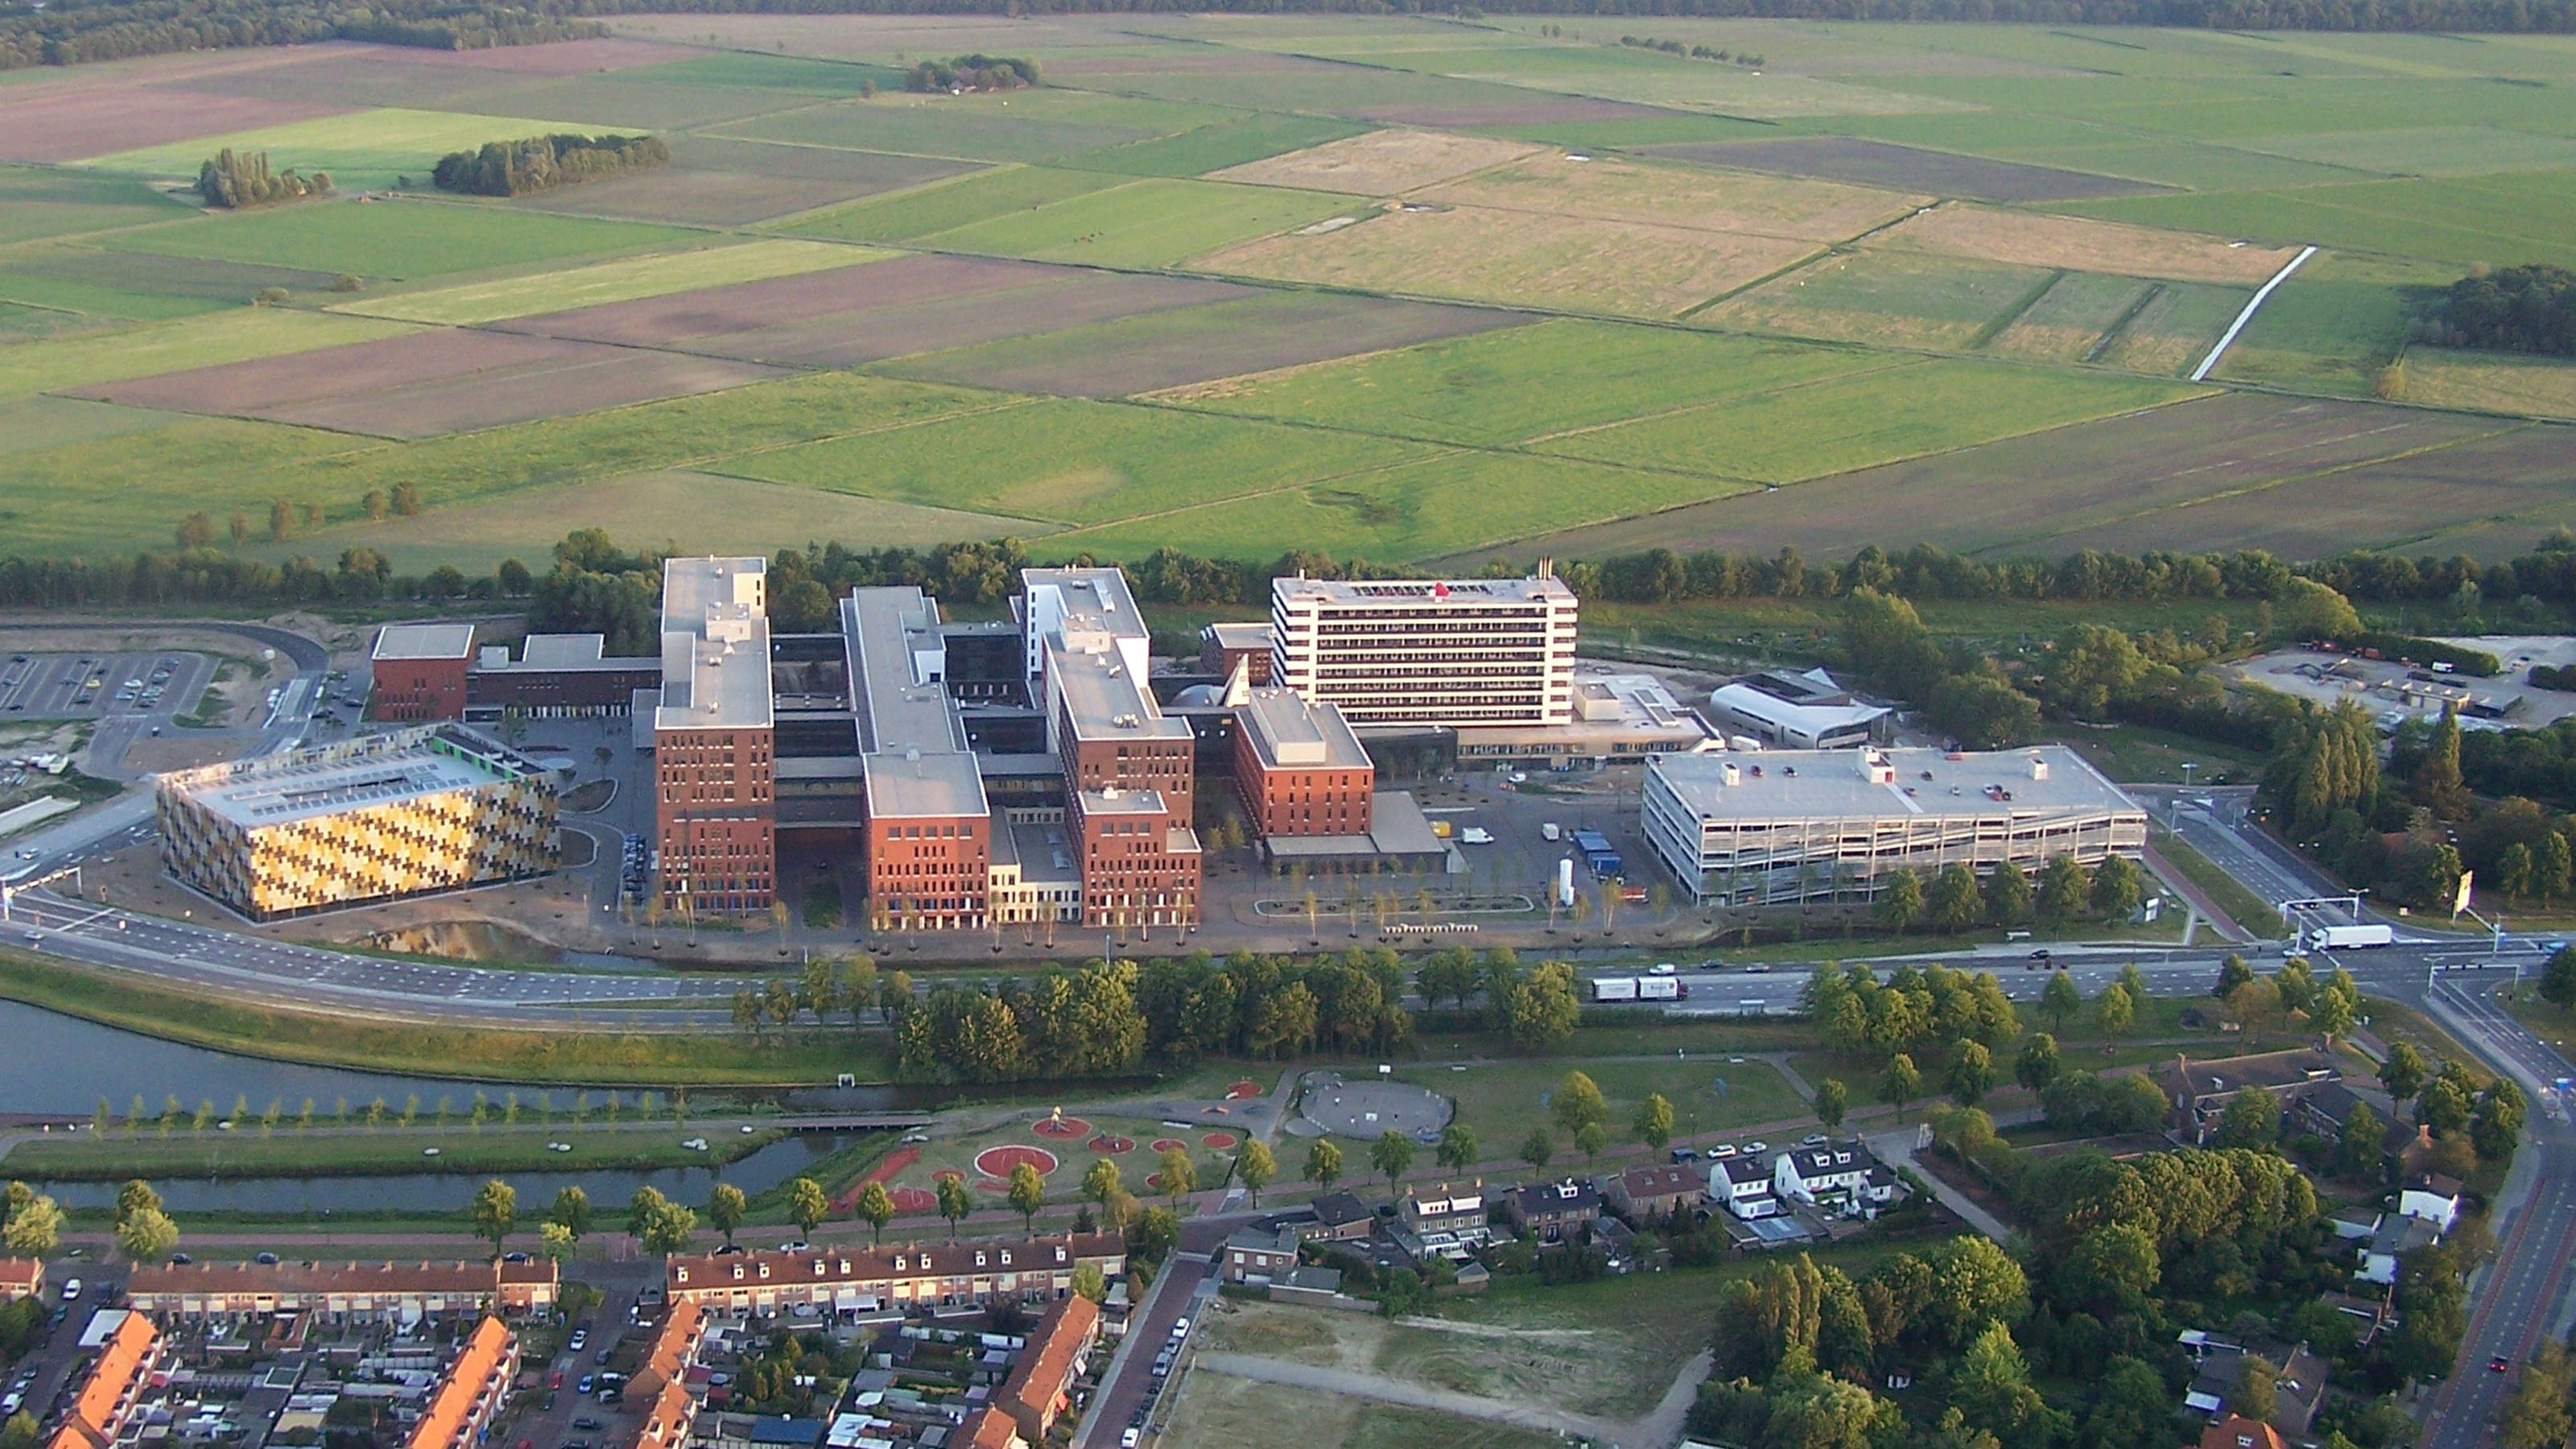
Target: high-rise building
{"x": 714, "y": 809}
{"x": 929, "y": 832}
{"x": 1457, "y": 652}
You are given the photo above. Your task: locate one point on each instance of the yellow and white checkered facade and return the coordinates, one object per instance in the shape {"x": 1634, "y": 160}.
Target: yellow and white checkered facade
{"x": 431, "y": 809}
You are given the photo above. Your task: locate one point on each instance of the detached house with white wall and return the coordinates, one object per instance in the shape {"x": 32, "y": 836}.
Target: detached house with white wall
{"x": 1840, "y": 1175}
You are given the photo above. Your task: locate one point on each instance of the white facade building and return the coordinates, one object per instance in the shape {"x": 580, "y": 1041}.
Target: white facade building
{"x": 1803, "y": 711}
{"x": 1838, "y": 1174}
{"x": 1783, "y": 826}
{"x": 1459, "y": 652}
{"x": 1743, "y": 1185}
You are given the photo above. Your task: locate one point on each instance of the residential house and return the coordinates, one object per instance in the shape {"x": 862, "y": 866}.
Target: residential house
{"x": 1742, "y": 1185}
{"x": 1642, "y": 1193}
{"x": 1041, "y": 1384}
{"x": 1842, "y": 1174}
{"x": 471, "y": 1392}
{"x": 2396, "y": 1236}
{"x": 855, "y": 1280}
{"x": 1340, "y": 1217}
{"x": 2433, "y": 1198}
{"x": 2326, "y": 1108}
{"x": 988, "y": 1428}
{"x": 2372, "y": 1314}
{"x": 1458, "y": 1212}
{"x": 347, "y": 1292}
{"x": 668, "y": 1418}
{"x": 111, "y": 1393}
{"x": 1550, "y": 1212}
{"x": 2238, "y": 1432}
{"x": 21, "y": 1278}
{"x": 2299, "y": 1391}
{"x": 673, "y": 1351}
{"x": 2198, "y": 1092}
{"x": 1259, "y": 1255}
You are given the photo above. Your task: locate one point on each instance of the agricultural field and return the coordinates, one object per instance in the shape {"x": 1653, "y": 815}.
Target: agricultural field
{"x": 1404, "y": 288}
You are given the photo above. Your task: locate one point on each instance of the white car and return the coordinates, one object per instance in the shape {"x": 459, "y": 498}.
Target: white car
{"x": 1664, "y": 968}
{"x": 71, "y": 1289}
{"x": 1723, "y": 1149}
{"x": 1128, "y": 1439}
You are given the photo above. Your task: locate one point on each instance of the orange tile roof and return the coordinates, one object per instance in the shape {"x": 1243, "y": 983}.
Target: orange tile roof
{"x": 667, "y": 1421}
{"x": 990, "y": 1428}
{"x": 451, "y": 1404}
{"x": 21, "y": 1277}
{"x": 674, "y": 1343}
{"x": 2238, "y": 1432}
{"x": 1048, "y": 1364}
{"x": 393, "y": 1279}
{"x": 860, "y": 1265}
{"x": 122, "y": 1362}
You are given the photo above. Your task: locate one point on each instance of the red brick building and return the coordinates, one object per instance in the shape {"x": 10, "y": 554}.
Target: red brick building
{"x": 1298, "y": 767}
{"x": 419, "y": 671}
{"x": 1140, "y": 867}
{"x": 927, "y": 840}
{"x": 1041, "y": 1383}
{"x": 1224, "y": 645}
{"x": 714, "y": 808}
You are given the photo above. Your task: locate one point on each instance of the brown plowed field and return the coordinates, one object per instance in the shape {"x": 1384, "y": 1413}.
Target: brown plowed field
{"x": 2206, "y": 474}
{"x": 1904, "y": 168}
{"x": 721, "y": 182}
{"x": 66, "y": 124}
{"x": 427, "y": 383}
{"x": 655, "y": 321}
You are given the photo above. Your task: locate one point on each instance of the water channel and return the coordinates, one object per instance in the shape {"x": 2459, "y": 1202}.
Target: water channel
{"x": 61, "y": 1065}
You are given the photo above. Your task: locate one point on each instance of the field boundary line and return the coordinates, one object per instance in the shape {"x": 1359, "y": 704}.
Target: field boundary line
{"x": 2111, "y": 335}
{"x": 1822, "y": 251}
{"x": 1892, "y": 365}
{"x": 2227, "y": 339}
{"x": 1997, "y": 325}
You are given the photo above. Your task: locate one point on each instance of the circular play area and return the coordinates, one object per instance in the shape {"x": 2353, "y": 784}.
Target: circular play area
{"x": 1111, "y": 1146}
{"x": 909, "y": 1201}
{"x": 1062, "y": 1127}
{"x": 1218, "y": 1139}
{"x": 996, "y": 1162}
{"x": 1166, "y": 1144}
{"x": 1241, "y": 1090}
{"x": 1371, "y": 1109}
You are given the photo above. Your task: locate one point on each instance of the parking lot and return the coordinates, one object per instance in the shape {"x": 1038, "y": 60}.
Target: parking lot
{"x": 101, "y": 686}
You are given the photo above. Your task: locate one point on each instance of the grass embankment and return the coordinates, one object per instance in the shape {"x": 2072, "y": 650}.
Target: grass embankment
{"x": 2243, "y": 906}
{"x": 538, "y": 1054}
{"x": 391, "y": 1149}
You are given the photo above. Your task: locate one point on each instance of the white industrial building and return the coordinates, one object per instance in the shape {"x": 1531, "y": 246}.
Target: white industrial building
{"x": 1457, "y": 653}
{"x": 1784, "y": 826}
{"x": 1795, "y": 711}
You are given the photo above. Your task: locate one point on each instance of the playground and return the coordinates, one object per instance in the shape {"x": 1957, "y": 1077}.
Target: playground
{"x": 1370, "y": 1108}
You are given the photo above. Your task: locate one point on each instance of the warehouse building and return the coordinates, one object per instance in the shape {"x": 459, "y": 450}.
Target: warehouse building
{"x": 1785, "y": 826}
{"x": 1454, "y": 653}
{"x": 432, "y": 808}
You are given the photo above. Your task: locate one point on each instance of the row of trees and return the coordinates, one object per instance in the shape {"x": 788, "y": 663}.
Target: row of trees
{"x": 541, "y": 163}
{"x": 976, "y": 72}
{"x": 119, "y": 29}
{"x": 31, "y": 1223}
{"x": 231, "y": 179}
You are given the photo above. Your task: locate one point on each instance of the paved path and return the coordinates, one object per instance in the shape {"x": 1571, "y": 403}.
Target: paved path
{"x": 1663, "y": 1426}
{"x": 1348, "y": 1384}
{"x": 1898, "y": 1148}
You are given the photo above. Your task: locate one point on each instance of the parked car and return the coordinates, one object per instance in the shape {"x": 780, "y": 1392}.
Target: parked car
{"x": 1685, "y": 1154}
{"x": 71, "y": 1289}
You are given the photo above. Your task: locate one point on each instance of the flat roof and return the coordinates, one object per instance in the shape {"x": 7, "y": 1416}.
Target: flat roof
{"x": 424, "y": 641}
{"x": 715, "y": 645}
{"x": 1450, "y": 593}
{"x": 1044, "y": 853}
{"x": 1085, "y": 599}
{"x": 924, "y": 784}
{"x": 1114, "y": 801}
{"x": 1397, "y": 826}
{"x": 891, "y": 631}
{"x": 1833, "y": 784}
{"x": 1105, "y": 698}
{"x": 562, "y": 651}
{"x": 1239, "y": 634}
{"x": 269, "y": 790}
{"x": 1289, "y": 731}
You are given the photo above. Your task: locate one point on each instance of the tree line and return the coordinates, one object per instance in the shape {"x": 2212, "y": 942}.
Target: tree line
{"x": 541, "y": 163}
{"x": 2518, "y": 309}
{"x": 78, "y": 33}
{"x": 976, "y": 72}
{"x": 231, "y": 179}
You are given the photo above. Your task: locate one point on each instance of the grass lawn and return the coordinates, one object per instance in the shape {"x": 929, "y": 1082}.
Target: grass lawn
{"x": 1503, "y": 1101}
{"x": 397, "y": 238}
{"x": 2394, "y": 1021}
{"x": 618, "y": 281}
{"x": 657, "y": 1060}
{"x": 951, "y": 203}
{"x": 2143, "y": 755}
{"x": 244, "y": 1152}
{"x": 2527, "y": 217}
{"x": 369, "y": 149}
{"x": 1214, "y": 1408}
{"x": 2555, "y": 1025}
{"x": 1156, "y": 222}
{"x": 1214, "y": 147}
{"x": 2225, "y": 891}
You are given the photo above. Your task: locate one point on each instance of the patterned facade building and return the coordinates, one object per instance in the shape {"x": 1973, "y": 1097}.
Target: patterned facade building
{"x": 420, "y": 810}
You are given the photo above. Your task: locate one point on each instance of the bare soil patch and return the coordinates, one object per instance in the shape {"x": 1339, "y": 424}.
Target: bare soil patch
{"x": 103, "y": 119}
{"x": 1905, "y": 168}
{"x": 872, "y": 286}
{"x": 2198, "y": 474}
{"x": 1583, "y": 264}
{"x": 1381, "y": 163}
{"x": 2033, "y": 240}
{"x": 1679, "y": 196}
{"x": 1151, "y": 358}
{"x": 427, "y": 383}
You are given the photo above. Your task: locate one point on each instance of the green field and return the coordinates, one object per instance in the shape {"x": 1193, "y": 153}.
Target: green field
{"x": 1156, "y": 222}
{"x": 1016, "y": 126}
{"x": 51, "y": 202}
{"x": 944, "y": 205}
{"x": 230, "y": 336}
{"x": 1213, "y": 147}
{"x": 399, "y": 239}
{"x": 1504, "y": 1102}
{"x": 370, "y": 148}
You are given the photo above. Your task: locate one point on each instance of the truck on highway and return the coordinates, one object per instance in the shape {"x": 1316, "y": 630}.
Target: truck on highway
{"x": 1638, "y": 988}
{"x": 1614, "y": 988}
{"x": 1660, "y": 988}
{"x": 2349, "y": 938}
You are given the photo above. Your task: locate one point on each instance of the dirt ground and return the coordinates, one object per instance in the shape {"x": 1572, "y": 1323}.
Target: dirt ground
{"x": 1909, "y": 168}
{"x": 869, "y": 286}
{"x": 1381, "y": 163}
{"x": 108, "y": 117}
{"x": 1576, "y": 263}
{"x": 1680, "y": 196}
{"x": 2032, "y": 240}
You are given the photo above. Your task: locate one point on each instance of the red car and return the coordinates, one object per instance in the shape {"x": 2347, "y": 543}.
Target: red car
{"x": 555, "y": 1379}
